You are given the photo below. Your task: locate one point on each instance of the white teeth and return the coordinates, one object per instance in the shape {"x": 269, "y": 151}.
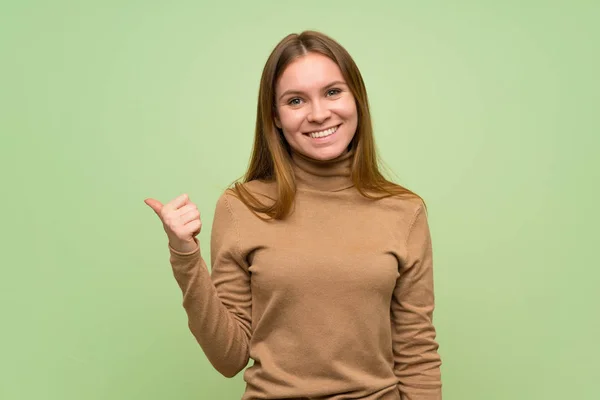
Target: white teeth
{"x": 319, "y": 134}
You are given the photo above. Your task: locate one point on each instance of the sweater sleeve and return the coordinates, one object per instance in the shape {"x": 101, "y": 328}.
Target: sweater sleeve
{"x": 218, "y": 305}
{"x": 416, "y": 359}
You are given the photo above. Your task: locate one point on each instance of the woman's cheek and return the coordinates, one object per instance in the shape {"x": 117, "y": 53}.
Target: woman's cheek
{"x": 345, "y": 109}
{"x": 296, "y": 117}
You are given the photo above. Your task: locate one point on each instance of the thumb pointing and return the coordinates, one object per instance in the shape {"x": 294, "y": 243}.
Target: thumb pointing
{"x": 155, "y": 205}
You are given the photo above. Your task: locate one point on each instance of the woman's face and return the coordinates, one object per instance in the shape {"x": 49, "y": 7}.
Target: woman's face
{"x": 316, "y": 110}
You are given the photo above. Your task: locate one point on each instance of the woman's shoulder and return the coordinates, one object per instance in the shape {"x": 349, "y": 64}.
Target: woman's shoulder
{"x": 236, "y": 196}
{"x": 404, "y": 205}
{"x": 261, "y": 189}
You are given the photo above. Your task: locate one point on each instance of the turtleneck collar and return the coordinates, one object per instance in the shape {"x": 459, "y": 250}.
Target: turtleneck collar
{"x": 330, "y": 175}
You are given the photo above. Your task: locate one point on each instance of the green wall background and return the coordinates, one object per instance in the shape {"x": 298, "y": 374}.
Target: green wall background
{"x": 489, "y": 110}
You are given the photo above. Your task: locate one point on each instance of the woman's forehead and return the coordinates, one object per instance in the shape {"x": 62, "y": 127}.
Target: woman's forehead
{"x": 309, "y": 72}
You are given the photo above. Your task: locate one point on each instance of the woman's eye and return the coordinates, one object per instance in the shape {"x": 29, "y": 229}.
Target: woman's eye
{"x": 294, "y": 102}
{"x": 333, "y": 92}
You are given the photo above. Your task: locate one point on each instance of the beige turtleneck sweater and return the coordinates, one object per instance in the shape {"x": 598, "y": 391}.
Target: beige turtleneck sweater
{"x": 335, "y": 302}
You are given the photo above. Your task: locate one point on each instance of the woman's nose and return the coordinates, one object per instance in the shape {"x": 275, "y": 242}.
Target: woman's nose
{"x": 318, "y": 113}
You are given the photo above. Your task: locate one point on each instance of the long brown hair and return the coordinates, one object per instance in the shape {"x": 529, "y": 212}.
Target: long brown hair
{"x": 271, "y": 161}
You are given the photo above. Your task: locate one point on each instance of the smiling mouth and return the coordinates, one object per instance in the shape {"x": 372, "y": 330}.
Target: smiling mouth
{"x": 323, "y": 133}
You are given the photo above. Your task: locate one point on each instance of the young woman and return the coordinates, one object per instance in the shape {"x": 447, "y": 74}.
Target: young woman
{"x": 321, "y": 268}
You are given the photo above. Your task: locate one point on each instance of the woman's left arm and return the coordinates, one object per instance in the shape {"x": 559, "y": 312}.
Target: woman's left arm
{"x": 416, "y": 359}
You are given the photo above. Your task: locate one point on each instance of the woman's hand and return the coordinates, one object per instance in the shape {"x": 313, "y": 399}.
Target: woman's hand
{"x": 181, "y": 221}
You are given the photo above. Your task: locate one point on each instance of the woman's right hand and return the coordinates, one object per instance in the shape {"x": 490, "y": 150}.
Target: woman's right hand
{"x": 181, "y": 221}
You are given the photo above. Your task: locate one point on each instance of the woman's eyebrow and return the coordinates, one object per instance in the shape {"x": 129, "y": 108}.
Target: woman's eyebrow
{"x": 293, "y": 91}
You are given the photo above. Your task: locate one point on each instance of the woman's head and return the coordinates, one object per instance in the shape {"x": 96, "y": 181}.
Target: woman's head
{"x": 314, "y": 107}
{"x": 309, "y": 84}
